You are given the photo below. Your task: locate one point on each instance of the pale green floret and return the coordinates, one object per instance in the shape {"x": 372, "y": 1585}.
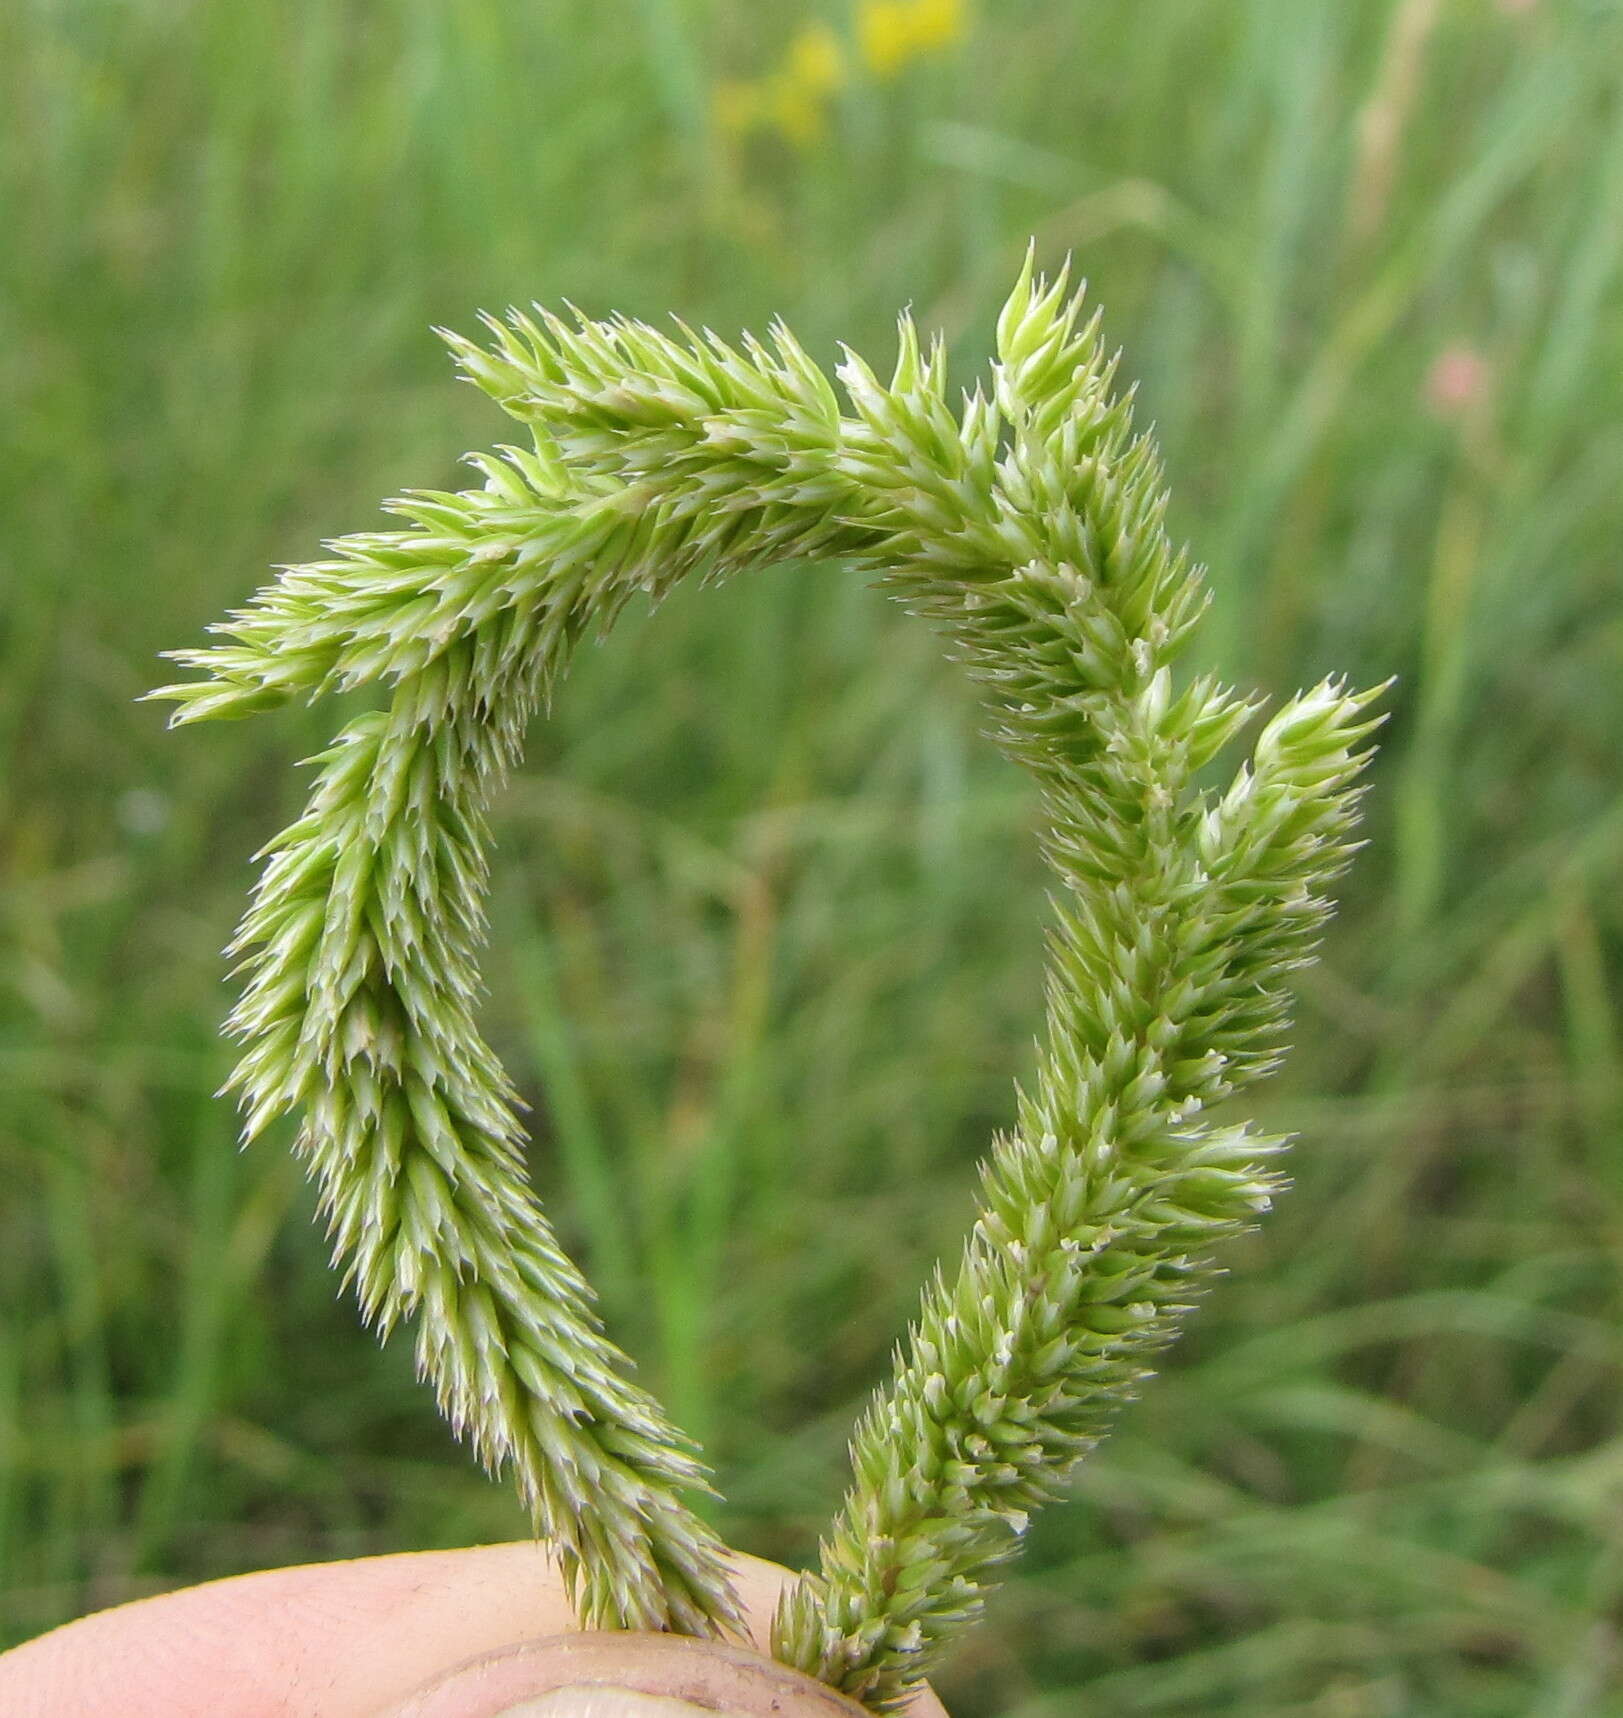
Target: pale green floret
{"x": 1027, "y": 523}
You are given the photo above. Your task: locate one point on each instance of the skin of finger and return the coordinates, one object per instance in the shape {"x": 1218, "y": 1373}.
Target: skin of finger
{"x": 327, "y": 1640}
{"x": 649, "y": 1675}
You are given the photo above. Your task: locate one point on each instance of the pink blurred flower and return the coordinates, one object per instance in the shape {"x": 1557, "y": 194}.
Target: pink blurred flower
{"x": 1457, "y": 380}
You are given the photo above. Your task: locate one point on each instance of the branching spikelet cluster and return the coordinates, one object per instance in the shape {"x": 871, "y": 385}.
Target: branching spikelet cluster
{"x": 1026, "y": 522}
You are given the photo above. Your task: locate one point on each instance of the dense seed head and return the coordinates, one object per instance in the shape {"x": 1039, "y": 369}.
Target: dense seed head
{"x": 1027, "y": 524}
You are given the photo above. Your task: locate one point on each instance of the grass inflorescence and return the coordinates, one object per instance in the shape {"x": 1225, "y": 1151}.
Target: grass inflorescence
{"x": 1029, "y": 527}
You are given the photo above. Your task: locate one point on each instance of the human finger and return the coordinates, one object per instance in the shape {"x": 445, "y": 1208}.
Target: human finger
{"x": 326, "y": 1640}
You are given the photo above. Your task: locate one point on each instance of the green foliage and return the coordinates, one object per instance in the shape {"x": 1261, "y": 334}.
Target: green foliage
{"x": 762, "y": 884}
{"x": 1029, "y": 528}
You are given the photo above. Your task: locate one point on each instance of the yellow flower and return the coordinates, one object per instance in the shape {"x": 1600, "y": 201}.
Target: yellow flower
{"x": 883, "y": 35}
{"x": 816, "y": 61}
{"x": 892, "y": 32}
{"x": 792, "y": 100}
{"x": 937, "y": 23}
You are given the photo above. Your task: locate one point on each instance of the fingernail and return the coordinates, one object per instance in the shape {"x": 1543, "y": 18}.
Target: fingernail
{"x": 597, "y": 1701}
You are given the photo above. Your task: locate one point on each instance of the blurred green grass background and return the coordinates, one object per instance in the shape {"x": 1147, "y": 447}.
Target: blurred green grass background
{"x": 767, "y": 916}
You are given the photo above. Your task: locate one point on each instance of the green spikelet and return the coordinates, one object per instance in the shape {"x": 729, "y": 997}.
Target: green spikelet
{"x": 1027, "y": 524}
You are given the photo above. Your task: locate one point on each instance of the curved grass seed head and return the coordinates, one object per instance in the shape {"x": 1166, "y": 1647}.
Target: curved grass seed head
{"x": 1026, "y": 522}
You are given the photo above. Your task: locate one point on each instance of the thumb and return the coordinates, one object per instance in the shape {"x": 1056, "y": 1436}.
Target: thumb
{"x": 327, "y": 1640}
{"x": 606, "y": 1675}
